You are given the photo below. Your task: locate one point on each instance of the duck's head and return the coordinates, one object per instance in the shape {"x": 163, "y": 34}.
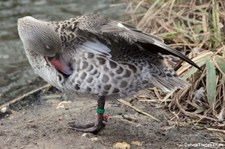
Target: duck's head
{"x": 43, "y": 48}
{"x": 38, "y": 36}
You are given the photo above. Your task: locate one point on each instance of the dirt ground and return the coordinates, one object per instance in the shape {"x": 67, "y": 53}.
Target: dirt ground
{"x": 38, "y": 122}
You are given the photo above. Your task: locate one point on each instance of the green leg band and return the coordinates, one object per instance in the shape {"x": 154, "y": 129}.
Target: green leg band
{"x": 100, "y": 111}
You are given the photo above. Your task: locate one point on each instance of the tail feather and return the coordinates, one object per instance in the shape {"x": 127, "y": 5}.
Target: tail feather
{"x": 167, "y": 84}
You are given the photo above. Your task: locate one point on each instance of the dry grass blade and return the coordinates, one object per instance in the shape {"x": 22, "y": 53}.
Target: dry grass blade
{"x": 216, "y": 130}
{"x": 194, "y": 27}
{"x": 25, "y": 95}
{"x": 190, "y": 114}
{"x": 138, "y": 110}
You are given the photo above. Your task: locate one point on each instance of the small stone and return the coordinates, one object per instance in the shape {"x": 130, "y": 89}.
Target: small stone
{"x": 138, "y": 143}
{"x": 88, "y": 135}
{"x": 30, "y": 121}
{"x": 94, "y": 139}
{"x": 84, "y": 135}
{"x": 5, "y": 110}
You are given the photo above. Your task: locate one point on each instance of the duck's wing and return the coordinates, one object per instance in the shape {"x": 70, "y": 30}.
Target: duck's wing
{"x": 116, "y": 32}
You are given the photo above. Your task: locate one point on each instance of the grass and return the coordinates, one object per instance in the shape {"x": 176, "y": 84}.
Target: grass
{"x": 196, "y": 28}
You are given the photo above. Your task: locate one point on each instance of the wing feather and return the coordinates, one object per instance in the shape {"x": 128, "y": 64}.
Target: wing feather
{"x": 107, "y": 29}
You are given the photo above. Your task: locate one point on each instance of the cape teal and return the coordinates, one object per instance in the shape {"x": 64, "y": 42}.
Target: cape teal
{"x": 95, "y": 56}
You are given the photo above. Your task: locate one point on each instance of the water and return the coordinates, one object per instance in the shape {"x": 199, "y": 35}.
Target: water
{"x": 16, "y": 76}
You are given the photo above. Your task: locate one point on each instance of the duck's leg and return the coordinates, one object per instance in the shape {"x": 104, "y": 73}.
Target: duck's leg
{"x": 93, "y": 127}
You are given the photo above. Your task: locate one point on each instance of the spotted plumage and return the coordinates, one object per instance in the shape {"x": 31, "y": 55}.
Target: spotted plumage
{"x": 93, "y": 55}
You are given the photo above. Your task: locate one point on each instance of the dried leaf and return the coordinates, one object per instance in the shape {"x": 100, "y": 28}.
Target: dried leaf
{"x": 121, "y": 145}
{"x": 63, "y": 104}
{"x": 138, "y": 143}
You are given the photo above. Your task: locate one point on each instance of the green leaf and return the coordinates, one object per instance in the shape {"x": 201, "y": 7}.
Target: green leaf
{"x": 216, "y": 19}
{"x": 199, "y": 60}
{"x": 193, "y": 70}
{"x": 200, "y": 110}
{"x": 211, "y": 82}
{"x": 220, "y": 63}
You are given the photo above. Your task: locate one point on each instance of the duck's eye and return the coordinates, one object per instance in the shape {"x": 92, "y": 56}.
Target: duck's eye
{"x": 60, "y": 78}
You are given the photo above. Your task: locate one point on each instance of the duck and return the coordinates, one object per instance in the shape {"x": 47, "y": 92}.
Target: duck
{"x": 97, "y": 57}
